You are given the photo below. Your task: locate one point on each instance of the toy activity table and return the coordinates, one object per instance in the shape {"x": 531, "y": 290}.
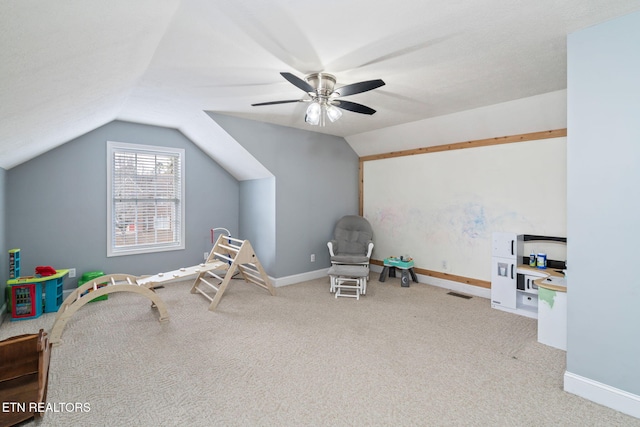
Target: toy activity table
{"x": 406, "y": 267}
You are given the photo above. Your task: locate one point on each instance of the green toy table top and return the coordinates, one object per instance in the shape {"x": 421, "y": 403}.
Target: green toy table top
{"x": 395, "y": 262}
{"x": 35, "y": 279}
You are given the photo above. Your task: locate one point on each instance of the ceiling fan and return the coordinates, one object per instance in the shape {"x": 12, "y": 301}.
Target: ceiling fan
{"x": 324, "y": 98}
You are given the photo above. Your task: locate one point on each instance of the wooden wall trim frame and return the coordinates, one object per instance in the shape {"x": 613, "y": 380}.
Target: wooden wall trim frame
{"x": 445, "y": 276}
{"x": 557, "y": 133}
{"x": 361, "y": 187}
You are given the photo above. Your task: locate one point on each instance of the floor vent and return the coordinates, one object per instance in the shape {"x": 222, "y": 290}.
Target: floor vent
{"x": 455, "y": 294}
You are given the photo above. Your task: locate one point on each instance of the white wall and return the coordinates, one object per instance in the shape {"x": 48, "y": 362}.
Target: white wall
{"x": 603, "y": 321}
{"x": 441, "y": 208}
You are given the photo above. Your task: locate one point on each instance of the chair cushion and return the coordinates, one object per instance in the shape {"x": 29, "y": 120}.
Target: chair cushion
{"x": 349, "y": 271}
{"x": 352, "y": 233}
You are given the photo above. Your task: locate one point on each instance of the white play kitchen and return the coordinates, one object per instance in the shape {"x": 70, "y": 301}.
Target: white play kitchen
{"x": 528, "y": 278}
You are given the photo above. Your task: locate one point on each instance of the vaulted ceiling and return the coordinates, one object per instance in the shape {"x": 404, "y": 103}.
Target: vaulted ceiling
{"x": 71, "y": 66}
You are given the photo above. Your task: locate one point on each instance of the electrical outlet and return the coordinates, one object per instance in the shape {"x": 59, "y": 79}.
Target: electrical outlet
{"x": 206, "y": 255}
{"x": 444, "y": 265}
{"x": 313, "y": 257}
{"x": 72, "y": 272}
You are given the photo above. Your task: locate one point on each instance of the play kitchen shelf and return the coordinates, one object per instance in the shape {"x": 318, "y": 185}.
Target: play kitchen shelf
{"x": 531, "y": 289}
{"x": 514, "y": 285}
{"x": 552, "y": 311}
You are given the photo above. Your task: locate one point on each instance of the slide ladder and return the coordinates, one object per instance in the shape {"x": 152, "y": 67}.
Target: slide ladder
{"x": 235, "y": 255}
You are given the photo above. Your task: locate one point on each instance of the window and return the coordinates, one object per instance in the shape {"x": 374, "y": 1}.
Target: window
{"x": 146, "y": 199}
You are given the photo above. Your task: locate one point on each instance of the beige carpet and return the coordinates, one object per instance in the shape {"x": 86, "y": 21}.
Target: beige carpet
{"x": 399, "y": 356}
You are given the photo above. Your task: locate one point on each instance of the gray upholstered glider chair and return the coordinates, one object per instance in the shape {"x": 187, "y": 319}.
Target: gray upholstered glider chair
{"x": 352, "y": 241}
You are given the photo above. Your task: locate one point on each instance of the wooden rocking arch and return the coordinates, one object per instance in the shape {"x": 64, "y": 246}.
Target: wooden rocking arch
{"x": 97, "y": 287}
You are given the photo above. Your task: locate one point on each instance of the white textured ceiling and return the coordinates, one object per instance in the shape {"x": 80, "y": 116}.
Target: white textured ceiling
{"x": 70, "y": 66}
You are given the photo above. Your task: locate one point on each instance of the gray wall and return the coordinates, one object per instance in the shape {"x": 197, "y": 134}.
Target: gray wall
{"x": 4, "y": 264}
{"x": 58, "y": 202}
{"x": 603, "y": 176}
{"x": 258, "y": 218}
{"x": 316, "y": 179}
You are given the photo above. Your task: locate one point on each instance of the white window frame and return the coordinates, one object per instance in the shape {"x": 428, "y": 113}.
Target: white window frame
{"x": 112, "y": 250}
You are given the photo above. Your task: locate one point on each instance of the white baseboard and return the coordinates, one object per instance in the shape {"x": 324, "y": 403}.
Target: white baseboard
{"x": 441, "y": 283}
{"x": 302, "y": 277}
{"x": 603, "y": 394}
{"x": 447, "y": 284}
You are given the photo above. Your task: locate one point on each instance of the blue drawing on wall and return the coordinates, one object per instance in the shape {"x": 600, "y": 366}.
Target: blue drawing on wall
{"x": 459, "y": 223}
{"x": 474, "y": 221}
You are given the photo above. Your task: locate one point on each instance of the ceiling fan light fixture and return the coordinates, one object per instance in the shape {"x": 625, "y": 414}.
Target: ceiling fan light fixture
{"x": 314, "y": 110}
{"x": 333, "y": 113}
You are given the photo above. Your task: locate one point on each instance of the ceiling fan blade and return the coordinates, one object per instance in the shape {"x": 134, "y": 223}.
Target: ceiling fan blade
{"x": 360, "y": 87}
{"x": 276, "y": 102}
{"x": 353, "y": 106}
{"x": 298, "y": 82}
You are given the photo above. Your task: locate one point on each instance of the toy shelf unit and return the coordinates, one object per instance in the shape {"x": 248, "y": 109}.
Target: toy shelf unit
{"x": 44, "y": 293}
{"x": 14, "y": 263}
